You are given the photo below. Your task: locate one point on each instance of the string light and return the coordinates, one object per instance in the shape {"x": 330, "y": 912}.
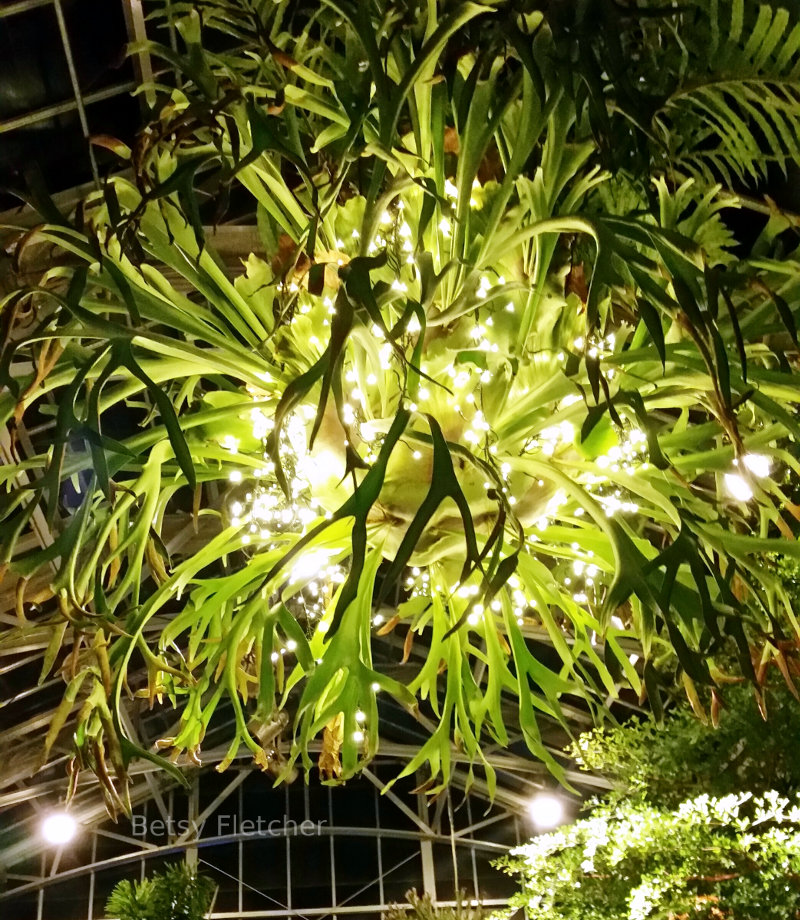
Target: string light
{"x": 758, "y": 464}
{"x": 263, "y": 510}
{"x": 738, "y": 487}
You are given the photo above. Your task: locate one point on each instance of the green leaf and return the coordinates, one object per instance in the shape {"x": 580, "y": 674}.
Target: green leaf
{"x": 652, "y": 321}
{"x": 168, "y": 415}
{"x": 786, "y": 315}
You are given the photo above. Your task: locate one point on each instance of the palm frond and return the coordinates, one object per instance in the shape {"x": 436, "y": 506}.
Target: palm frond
{"x": 738, "y": 114}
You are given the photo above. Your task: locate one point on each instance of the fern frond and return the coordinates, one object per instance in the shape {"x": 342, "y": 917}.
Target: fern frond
{"x": 696, "y": 214}
{"x": 741, "y": 112}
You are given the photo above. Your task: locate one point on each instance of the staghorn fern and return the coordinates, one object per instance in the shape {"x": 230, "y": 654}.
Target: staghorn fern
{"x": 529, "y": 405}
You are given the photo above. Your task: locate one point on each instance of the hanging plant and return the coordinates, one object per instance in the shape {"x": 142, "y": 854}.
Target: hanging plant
{"x": 496, "y": 345}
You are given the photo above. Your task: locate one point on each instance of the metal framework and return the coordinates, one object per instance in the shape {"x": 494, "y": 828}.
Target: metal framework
{"x": 81, "y": 99}
{"x": 362, "y": 849}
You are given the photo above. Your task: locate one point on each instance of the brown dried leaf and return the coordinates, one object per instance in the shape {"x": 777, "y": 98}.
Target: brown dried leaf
{"x": 197, "y": 501}
{"x": 452, "y": 143}
{"x": 284, "y": 59}
{"x": 762, "y": 705}
{"x": 738, "y": 588}
{"x": 388, "y": 626}
{"x": 409, "y": 642}
{"x": 289, "y": 258}
{"x": 330, "y": 763}
{"x": 694, "y": 699}
{"x": 156, "y": 563}
{"x": 716, "y": 707}
{"x": 45, "y": 362}
{"x": 100, "y": 649}
{"x": 784, "y": 528}
{"x": 575, "y": 282}
{"x": 424, "y": 786}
{"x": 114, "y": 144}
{"x": 115, "y": 564}
{"x": 793, "y": 509}
{"x": 780, "y": 660}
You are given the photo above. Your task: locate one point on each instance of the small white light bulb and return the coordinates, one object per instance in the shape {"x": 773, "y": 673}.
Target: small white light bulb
{"x": 59, "y": 828}
{"x": 758, "y": 464}
{"x": 738, "y": 487}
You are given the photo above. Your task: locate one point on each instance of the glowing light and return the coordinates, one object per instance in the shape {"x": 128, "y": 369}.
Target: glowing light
{"x": 59, "y": 828}
{"x": 738, "y": 487}
{"x": 546, "y": 810}
{"x": 758, "y": 464}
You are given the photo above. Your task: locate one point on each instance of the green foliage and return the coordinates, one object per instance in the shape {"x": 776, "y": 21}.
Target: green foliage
{"x": 703, "y": 820}
{"x": 177, "y": 893}
{"x": 707, "y": 89}
{"x": 421, "y": 908}
{"x": 736, "y": 857}
{"x": 456, "y": 359}
{"x": 686, "y": 756}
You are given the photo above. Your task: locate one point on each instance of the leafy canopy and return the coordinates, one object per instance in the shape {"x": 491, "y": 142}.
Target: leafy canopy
{"x": 702, "y": 820}
{"x": 740, "y": 745}
{"x": 497, "y": 343}
{"x": 736, "y": 856}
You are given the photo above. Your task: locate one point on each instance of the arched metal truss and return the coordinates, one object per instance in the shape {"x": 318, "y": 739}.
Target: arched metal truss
{"x": 303, "y": 850}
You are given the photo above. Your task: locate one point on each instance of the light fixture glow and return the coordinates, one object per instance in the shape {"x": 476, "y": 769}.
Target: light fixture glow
{"x": 546, "y": 810}
{"x": 738, "y": 487}
{"x": 59, "y": 828}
